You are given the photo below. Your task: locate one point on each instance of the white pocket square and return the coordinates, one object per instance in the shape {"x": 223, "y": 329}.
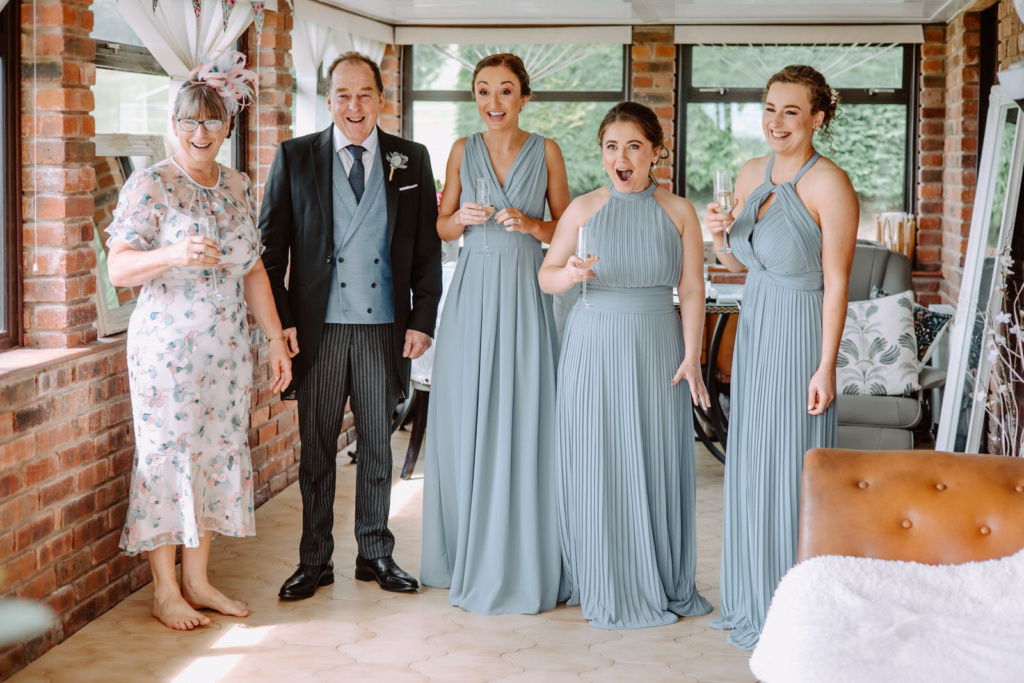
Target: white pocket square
{"x": 408, "y": 187}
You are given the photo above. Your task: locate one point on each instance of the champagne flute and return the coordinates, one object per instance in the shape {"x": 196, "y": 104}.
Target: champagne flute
{"x": 584, "y": 253}
{"x": 723, "y": 195}
{"x": 207, "y": 227}
{"x": 483, "y": 198}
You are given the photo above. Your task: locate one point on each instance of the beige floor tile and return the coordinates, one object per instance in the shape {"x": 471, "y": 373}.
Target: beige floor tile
{"x": 568, "y": 633}
{"x": 622, "y": 672}
{"x": 558, "y": 658}
{"x": 541, "y": 677}
{"x": 464, "y": 668}
{"x": 393, "y": 651}
{"x": 353, "y": 631}
{"x": 481, "y": 642}
{"x": 372, "y": 673}
{"x": 717, "y": 669}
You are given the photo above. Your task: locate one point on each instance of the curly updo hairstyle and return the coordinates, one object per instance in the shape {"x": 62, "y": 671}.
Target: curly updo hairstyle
{"x": 511, "y": 62}
{"x": 823, "y": 97}
{"x": 644, "y": 118}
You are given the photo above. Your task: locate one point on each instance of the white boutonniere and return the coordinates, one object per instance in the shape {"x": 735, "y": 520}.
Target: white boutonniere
{"x": 397, "y": 160}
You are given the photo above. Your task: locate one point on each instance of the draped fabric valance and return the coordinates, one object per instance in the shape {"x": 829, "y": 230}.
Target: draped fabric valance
{"x": 540, "y": 60}
{"x": 177, "y": 38}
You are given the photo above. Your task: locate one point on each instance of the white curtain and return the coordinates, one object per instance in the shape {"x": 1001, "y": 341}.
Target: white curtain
{"x": 177, "y": 40}
{"x": 374, "y": 49}
{"x": 310, "y": 40}
{"x": 540, "y": 60}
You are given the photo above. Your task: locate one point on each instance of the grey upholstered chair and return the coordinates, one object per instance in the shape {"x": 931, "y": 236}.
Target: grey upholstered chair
{"x": 882, "y": 422}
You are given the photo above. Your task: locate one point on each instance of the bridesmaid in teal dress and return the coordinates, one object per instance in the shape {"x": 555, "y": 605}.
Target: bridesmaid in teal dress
{"x": 795, "y": 231}
{"x": 489, "y": 532}
{"x": 627, "y": 375}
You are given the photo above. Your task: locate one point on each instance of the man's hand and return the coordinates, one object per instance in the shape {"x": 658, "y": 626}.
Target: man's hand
{"x": 292, "y": 336}
{"x": 416, "y": 343}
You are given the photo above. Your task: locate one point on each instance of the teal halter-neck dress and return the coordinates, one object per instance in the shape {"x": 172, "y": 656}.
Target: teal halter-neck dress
{"x": 489, "y": 521}
{"x": 778, "y": 350}
{"x": 626, "y": 479}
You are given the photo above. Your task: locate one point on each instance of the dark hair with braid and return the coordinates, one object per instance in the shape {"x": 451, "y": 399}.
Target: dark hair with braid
{"x": 823, "y": 98}
{"x": 644, "y": 118}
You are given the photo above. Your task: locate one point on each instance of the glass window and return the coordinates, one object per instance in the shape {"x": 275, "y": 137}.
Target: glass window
{"x": 722, "y": 105}
{"x": 567, "y": 106}
{"x": 109, "y": 25}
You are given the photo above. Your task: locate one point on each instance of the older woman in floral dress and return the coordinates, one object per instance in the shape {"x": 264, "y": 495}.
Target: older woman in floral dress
{"x": 185, "y": 229}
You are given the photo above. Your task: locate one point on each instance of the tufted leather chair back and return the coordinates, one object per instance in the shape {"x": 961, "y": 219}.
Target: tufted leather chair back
{"x": 921, "y": 506}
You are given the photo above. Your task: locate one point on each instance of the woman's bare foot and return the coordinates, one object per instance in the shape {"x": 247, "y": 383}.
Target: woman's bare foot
{"x": 205, "y": 596}
{"x": 174, "y": 612}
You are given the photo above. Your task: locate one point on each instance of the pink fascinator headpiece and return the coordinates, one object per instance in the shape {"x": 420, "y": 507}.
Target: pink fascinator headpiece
{"x": 226, "y": 73}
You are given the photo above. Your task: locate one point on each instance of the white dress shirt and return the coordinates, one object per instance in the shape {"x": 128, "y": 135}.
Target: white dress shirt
{"x": 369, "y": 146}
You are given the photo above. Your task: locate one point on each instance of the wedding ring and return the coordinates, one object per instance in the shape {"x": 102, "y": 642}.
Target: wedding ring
{"x": 519, "y": 221}
{"x": 196, "y": 256}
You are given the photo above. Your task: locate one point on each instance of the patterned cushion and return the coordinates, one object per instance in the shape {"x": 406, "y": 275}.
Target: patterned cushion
{"x": 929, "y": 326}
{"x": 878, "y": 352}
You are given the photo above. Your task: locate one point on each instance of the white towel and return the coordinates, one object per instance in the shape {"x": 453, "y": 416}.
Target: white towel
{"x": 855, "y": 620}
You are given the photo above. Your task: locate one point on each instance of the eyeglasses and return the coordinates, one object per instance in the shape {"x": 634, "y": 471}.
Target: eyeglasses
{"x": 190, "y": 125}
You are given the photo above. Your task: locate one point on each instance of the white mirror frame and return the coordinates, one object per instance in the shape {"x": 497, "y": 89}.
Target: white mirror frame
{"x": 114, "y": 320}
{"x": 963, "y": 324}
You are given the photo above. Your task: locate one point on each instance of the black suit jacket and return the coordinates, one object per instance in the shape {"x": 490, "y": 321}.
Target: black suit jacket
{"x": 297, "y": 221}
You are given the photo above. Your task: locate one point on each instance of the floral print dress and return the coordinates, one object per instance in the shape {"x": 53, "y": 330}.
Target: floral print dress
{"x": 189, "y": 364}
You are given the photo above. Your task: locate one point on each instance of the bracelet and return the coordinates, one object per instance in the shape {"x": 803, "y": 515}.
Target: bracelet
{"x": 270, "y": 339}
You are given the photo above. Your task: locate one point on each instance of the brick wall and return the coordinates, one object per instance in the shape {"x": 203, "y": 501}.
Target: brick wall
{"x": 960, "y": 151}
{"x": 391, "y": 74}
{"x": 274, "y": 431}
{"x": 1011, "y": 36}
{"x": 57, "y": 130}
{"x": 66, "y": 451}
{"x": 931, "y": 131}
{"x": 66, "y": 439}
{"x": 654, "y": 84}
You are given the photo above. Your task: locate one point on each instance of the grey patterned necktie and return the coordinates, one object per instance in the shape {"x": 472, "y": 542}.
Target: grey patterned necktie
{"x": 356, "y": 177}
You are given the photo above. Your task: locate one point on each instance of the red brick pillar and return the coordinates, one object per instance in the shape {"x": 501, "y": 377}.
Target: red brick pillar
{"x": 654, "y": 84}
{"x": 960, "y": 174}
{"x": 931, "y": 114}
{"x": 391, "y": 74}
{"x": 57, "y": 151}
{"x": 1011, "y": 36}
{"x": 273, "y": 423}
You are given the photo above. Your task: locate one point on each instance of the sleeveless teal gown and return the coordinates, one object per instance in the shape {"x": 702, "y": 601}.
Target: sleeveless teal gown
{"x": 489, "y": 521}
{"x": 778, "y": 350}
{"x": 626, "y": 480}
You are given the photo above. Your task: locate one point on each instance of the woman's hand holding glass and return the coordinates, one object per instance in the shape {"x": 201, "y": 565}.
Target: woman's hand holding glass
{"x": 718, "y": 224}
{"x": 471, "y": 213}
{"x": 194, "y": 250}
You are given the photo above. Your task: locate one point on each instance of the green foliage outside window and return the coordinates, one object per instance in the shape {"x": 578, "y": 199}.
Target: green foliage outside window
{"x": 573, "y": 125}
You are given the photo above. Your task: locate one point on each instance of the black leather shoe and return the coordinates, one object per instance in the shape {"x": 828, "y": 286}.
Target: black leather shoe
{"x": 384, "y": 571}
{"x": 306, "y": 579}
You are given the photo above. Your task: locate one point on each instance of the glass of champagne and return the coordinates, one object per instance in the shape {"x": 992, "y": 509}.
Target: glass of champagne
{"x": 584, "y": 253}
{"x": 723, "y": 195}
{"x": 207, "y": 227}
{"x": 483, "y": 198}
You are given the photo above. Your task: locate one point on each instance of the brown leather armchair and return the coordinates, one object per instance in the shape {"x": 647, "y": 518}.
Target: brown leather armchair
{"x": 922, "y": 506}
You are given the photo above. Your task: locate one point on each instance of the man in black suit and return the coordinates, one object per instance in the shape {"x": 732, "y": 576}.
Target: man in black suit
{"x": 355, "y": 210}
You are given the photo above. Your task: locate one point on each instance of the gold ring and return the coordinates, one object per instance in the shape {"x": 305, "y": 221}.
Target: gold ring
{"x": 196, "y": 256}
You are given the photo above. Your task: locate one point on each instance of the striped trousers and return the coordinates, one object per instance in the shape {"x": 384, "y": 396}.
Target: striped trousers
{"x": 356, "y": 361}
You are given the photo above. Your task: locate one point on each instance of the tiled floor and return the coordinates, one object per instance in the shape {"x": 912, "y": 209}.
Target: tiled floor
{"x": 353, "y": 631}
